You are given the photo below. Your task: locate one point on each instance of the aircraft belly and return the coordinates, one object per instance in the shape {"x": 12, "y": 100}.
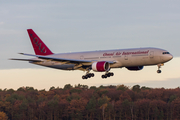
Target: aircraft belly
{"x": 140, "y": 61}
{"x": 153, "y": 61}
{"x": 117, "y": 65}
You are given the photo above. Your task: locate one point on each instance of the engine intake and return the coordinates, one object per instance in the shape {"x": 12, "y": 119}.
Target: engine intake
{"x": 135, "y": 68}
{"x": 100, "y": 66}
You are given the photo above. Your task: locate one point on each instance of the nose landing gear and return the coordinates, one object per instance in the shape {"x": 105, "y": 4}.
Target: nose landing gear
{"x": 159, "y": 66}
{"x": 158, "y": 71}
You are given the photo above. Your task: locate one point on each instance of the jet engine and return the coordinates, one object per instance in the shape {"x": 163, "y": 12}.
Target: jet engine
{"x": 135, "y": 68}
{"x": 100, "y": 66}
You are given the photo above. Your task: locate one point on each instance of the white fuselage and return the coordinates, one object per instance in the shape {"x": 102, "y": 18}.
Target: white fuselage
{"x": 98, "y": 61}
{"x": 120, "y": 57}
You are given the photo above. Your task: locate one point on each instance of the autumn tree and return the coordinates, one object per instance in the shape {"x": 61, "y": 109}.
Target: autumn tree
{"x": 83, "y": 103}
{"x": 3, "y": 116}
{"x": 91, "y": 107}
{"x": 68, "y": 86}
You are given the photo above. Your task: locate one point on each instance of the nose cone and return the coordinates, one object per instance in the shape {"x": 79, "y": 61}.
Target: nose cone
{"x": 170, "y": 57}
{"x": 166, "y": 58}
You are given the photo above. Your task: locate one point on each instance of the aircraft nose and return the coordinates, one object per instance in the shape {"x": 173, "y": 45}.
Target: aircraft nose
{"x": 167, "y": 57}
{"x": 170, "y": 57}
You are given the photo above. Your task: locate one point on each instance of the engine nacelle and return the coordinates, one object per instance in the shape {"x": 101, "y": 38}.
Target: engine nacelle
{"x": 135, "y": 68}
{"x": 100, "y": 66}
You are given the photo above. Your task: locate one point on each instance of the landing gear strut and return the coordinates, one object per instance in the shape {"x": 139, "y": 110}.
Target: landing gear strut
{"x": 108, "y": 74}
{"x": 159, "y": 66}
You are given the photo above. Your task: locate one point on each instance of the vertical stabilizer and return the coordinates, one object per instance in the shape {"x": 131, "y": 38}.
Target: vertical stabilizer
{"x": 39, "y": 47}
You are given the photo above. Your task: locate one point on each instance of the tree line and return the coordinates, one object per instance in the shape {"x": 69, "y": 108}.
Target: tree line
{"x": 90, "y": 103}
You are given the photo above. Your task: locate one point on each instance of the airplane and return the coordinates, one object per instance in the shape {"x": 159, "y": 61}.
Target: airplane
{"x": 99, "y": 61}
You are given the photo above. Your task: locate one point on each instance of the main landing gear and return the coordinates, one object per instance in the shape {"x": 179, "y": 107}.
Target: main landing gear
{"x": 88, "y": 75}
{"x": 108, "y": 74}
{"x": 159, "y": 66}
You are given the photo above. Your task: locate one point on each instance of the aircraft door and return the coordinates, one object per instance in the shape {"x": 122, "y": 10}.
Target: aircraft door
{"x": 151, "y": 54}
{"x": 127, "y": 60}
{"x": 126, "y": 57}
{"x": 82, "y": 57}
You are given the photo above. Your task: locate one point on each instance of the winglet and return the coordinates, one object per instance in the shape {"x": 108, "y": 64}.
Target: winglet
{"x": 39, "y": 47}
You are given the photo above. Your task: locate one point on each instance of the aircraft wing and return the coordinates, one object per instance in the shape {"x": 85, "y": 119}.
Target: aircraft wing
{"x": 64, "y": 59}
{"x": 59, "y": 59}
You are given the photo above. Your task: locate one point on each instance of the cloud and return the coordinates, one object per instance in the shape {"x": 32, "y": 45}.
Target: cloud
{"x": 169, "y": 83}
{"x": 47, "y": 77}
{"x": 1, "y": 23}
{"x": 95, "y": 25}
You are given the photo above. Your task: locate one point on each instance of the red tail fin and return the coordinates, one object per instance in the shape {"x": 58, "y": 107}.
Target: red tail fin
{"x": 39, "y": 47}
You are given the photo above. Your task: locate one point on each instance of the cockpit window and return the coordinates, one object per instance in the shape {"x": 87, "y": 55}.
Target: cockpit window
{"x": 165, "y": 53}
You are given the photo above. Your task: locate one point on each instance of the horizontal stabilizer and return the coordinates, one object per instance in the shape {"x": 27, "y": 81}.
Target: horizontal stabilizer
{"x": 26, "y": 60}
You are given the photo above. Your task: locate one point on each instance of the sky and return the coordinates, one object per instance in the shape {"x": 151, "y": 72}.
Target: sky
{"x": 72, "y": 26}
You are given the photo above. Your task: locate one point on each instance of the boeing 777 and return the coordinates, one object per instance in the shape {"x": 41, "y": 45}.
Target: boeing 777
{"x": 98, "y": 61}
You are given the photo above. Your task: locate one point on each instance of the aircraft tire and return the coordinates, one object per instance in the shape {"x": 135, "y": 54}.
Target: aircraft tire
{"x": 92, "y": 74}
{"x": 103, "y": 76}
{"x": 84, "y": 77}
{"x": 112, "y": 74}
{"x": 158, "y": 71}
{"x": 88, "y": 75}
{"x": 108, "y": 75}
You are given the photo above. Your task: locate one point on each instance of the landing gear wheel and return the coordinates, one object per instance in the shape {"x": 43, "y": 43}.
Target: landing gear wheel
{"x": 84, "y": 77}
{"x": 89, "y": 75}
{"x": 104, "y": 76}
{"x": 92, "y": 74}
{"x": 158, "y": 71}
{"x": 108, "y": 75}
{"x": 111, "y": 74}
